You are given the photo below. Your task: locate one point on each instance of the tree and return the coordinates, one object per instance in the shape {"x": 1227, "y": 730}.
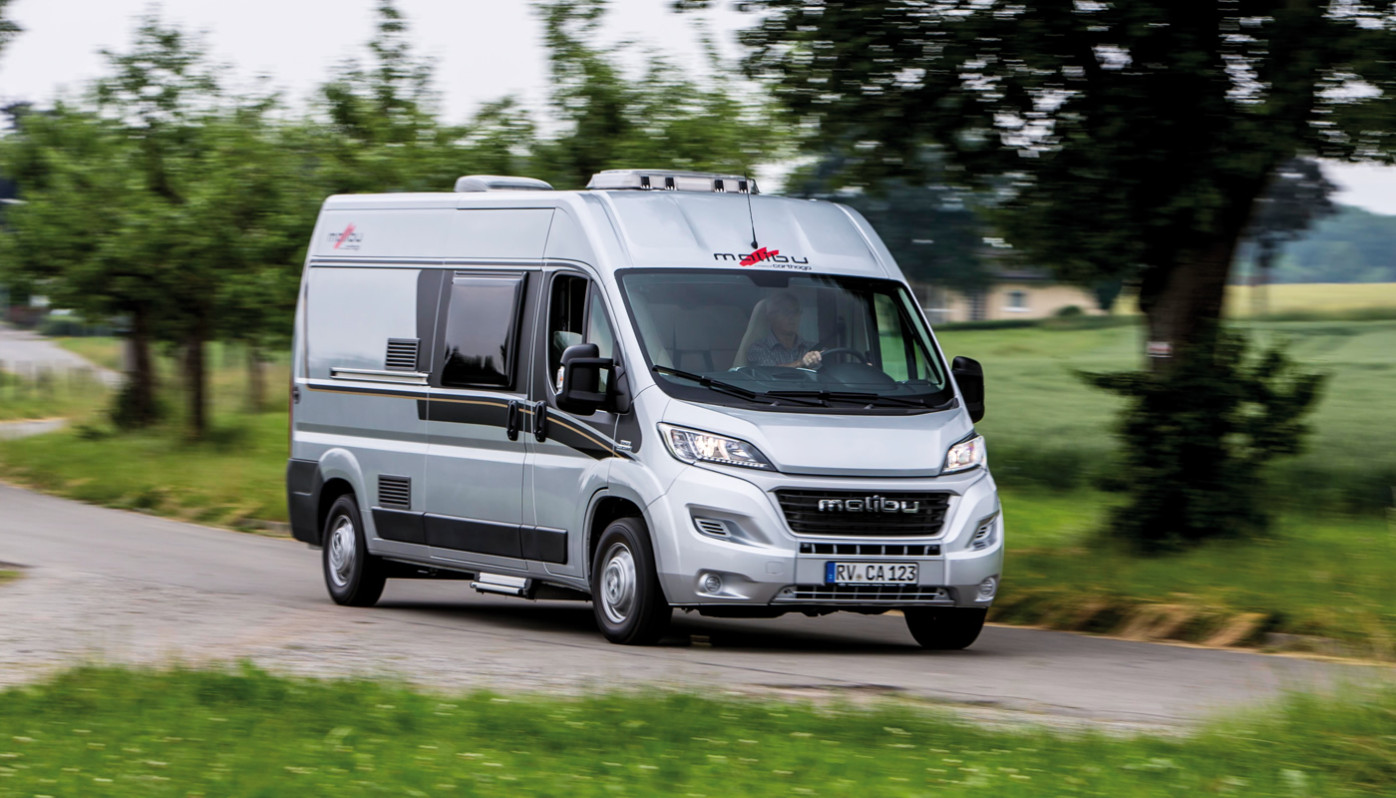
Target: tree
{"x": 932, "y": 230}
{"x": 1121, "y": 139}
{"x": 168, "y": 202}
{"x": 383, "y": 132}
{"x": 8, "y": 29}
{"x": 662, "y": 117}
{"x": 80, "y": 233}
{"x": 1137, "y": 136}
{"x": 1296, "y": 198}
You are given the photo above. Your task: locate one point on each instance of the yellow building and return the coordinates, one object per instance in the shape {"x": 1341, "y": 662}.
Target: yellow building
{"x": 1015, "y": 294}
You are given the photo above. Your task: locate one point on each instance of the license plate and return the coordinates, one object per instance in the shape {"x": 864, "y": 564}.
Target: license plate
{"x": 870, "y": 573}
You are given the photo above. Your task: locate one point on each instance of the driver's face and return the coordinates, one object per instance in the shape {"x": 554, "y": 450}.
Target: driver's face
{"x": 786, "y": 322}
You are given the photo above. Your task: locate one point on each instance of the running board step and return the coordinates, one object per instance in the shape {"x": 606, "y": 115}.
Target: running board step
{"x": 505, "y": 585}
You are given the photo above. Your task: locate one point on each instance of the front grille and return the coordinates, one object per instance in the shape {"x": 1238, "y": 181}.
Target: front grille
{"x": 395, "y": 493}
{"x": 891, "y": 519}
{"x": 865, "y": 594}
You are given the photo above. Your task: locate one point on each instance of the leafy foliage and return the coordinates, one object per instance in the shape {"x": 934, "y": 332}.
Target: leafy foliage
{"x": 662, "y": 117}
{"x": 1196, "y": 441}
{"x": 1350, "y": 246}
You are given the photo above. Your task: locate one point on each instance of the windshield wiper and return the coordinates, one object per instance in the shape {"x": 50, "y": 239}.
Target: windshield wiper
{"x": 867, "y": 399}
{"x": 726, "y": 387}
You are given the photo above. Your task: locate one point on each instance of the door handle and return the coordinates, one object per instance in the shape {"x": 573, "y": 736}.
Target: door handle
{"x": 540, "y": 422}
{"x": 511, "y": 425}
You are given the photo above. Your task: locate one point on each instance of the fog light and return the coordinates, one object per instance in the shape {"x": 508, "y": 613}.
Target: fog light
{"x": 988, "y": 588}
{"x": 712, "y": 583}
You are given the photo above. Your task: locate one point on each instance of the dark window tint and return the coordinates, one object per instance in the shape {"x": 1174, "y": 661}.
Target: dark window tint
{"x": 481, "y": 330}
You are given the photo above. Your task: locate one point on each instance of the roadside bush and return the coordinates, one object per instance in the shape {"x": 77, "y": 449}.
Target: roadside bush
{"x": 1195, "y": 441}
{"x": 1069, "y": 312}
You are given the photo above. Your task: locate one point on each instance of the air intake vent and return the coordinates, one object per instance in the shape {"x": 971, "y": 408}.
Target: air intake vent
{"x": 402, "y": 354}
{"x": 395, "y": 493}
{"x": 712, "y": 526}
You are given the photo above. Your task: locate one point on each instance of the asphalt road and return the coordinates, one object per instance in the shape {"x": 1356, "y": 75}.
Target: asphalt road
{"x": 27, "y": 354}
{"x": 110, "y": 586}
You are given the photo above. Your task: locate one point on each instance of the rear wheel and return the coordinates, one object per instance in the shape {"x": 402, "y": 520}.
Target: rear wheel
{"x": 945, "y": 628}
{"x": 353, "y": 576}
{"x": 625, "y": 595}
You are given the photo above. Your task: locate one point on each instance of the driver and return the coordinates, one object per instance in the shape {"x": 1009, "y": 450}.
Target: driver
{"x": 784, "y": 346}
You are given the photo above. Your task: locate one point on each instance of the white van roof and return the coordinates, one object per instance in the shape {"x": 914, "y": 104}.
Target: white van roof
{"x": 625, "y": 228}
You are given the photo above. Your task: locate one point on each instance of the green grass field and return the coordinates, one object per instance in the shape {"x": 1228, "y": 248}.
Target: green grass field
{"x": 102, "y": 731}
{"x": 1046, "y": 428}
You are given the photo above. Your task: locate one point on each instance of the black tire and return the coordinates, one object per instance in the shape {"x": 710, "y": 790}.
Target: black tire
{"x": 945, "y": 628}
{"x": 353, "y": 576}
{"x": 625, "y": 594}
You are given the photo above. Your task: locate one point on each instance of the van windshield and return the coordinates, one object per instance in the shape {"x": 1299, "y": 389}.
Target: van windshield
{"x": 770, "y": 340}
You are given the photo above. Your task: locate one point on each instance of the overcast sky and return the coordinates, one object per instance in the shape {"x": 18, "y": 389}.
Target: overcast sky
{"x": 481, "y": 49}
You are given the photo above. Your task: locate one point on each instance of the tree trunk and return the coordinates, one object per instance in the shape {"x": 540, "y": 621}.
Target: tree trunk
{"x": 256, "y": 379}
{"x": 139, "y": 396}
{"x": 195, "y": 382}
{"x": 1260, "y": 281}
{"x": 1184, "y": 303}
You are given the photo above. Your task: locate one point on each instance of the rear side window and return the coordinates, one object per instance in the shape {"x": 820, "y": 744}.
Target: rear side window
{"x": 482, "y": 323}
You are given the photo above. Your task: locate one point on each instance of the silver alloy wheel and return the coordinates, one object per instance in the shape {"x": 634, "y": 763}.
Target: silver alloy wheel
{"x": 342, "y": 545}
{"x": 618, "y": 583}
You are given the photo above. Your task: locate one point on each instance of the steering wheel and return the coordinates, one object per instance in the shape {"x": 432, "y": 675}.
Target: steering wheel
{"x": 852, "y": 354}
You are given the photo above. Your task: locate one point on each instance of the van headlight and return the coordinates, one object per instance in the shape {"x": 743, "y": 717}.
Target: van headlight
{"x": 691, "y": 446}
{"x": 966, "y": 454}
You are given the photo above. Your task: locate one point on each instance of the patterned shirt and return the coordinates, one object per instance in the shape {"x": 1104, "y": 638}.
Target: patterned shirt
{"x": 769, "y": 351}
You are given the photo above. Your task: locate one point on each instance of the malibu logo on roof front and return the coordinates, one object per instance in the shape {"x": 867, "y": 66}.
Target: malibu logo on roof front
{"x": 350, "y": 239}
{"x": 769, "y": 257}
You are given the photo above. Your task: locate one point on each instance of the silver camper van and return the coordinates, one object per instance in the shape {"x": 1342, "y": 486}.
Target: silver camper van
{"x": 665, "y": 391}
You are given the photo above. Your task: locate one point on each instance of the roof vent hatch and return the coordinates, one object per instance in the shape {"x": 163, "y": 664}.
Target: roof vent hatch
{"x": 500, "y": 183}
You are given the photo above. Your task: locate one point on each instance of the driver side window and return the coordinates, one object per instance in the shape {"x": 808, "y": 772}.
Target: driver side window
{"x": 576, "y": 315}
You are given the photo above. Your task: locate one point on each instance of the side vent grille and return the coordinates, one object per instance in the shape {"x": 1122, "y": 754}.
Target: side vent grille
{"x": 395, "y": 493}
{"x": 402, "y": 354}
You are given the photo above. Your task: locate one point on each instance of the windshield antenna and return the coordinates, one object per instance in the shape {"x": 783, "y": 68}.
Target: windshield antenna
{"x": 746, "y": 173}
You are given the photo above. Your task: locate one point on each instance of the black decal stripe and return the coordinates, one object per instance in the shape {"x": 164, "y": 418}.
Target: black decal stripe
{"x": 480, "y": 537}
{"x": 399, "y": 525}
{"x": 544, "y": 545}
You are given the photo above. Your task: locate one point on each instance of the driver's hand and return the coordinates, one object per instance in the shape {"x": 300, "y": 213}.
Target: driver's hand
{"x": 811, "y": 359}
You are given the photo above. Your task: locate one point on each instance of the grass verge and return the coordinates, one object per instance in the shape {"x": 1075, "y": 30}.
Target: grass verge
{"x": 1325, "y": 580}
{"x": 141, "y": 733}
{"x": 235, "y": 476}
{"x": 49, "y": 395}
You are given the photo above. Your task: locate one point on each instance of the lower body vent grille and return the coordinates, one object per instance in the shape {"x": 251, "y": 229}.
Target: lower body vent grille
{"x": 865, "y": 594}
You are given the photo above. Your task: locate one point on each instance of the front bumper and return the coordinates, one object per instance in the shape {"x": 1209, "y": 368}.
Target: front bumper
{"x": 712, "y": 522}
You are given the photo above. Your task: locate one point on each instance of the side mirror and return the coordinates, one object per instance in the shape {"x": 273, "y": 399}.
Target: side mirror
{"x": 969, "y": 375}
{"x": 581, "y": 379}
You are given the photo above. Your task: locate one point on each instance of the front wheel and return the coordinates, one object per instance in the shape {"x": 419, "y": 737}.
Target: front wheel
{"x": 945, "y": 628}
{"x": 625, "y": 594}
{"x": 353, "y": 576}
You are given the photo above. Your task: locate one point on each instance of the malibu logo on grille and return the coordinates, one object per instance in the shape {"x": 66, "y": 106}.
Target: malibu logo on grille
{"x": 868, "y": 504}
